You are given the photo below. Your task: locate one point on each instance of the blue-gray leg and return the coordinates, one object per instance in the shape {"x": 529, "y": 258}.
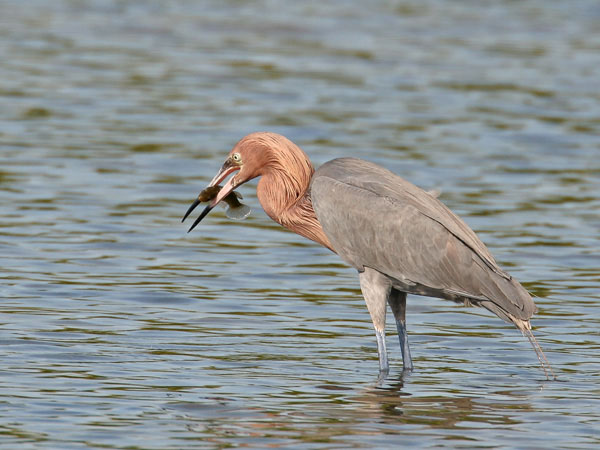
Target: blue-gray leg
{"x": 397, "y": 301}
{"x": 376, "y": 289}
{"x": 384, "y": 365}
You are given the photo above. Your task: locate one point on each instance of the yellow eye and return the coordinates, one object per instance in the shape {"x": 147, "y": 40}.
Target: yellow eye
{"x": 236, "y": 157}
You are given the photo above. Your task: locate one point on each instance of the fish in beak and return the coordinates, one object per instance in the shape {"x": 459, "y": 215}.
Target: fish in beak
{"x": 215, "y": 194}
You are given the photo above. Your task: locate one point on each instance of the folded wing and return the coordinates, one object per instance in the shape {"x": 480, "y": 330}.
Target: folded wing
{"x": 374, "y": 218}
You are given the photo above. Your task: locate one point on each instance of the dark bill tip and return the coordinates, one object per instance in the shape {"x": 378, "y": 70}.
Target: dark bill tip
{"x": 190, "y": 209}
{"x": 200, "y": 217}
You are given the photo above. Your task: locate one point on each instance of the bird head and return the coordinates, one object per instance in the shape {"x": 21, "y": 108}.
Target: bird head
{"x": 245, "y": 159}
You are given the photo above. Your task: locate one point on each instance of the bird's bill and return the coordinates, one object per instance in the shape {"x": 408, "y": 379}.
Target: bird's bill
{"x": 225, "y": 171}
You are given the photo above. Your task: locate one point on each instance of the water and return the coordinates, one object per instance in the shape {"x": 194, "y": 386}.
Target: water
{"x": 119, "y": 330}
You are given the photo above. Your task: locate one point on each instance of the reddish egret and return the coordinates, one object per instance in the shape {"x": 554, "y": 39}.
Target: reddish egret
{"x": 401, "y": 239}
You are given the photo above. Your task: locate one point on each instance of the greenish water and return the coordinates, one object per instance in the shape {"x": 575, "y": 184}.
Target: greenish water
{"x": 119, "y": 330}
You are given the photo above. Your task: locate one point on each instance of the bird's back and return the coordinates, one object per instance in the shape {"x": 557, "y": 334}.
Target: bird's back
{"x": 376, "y": 219}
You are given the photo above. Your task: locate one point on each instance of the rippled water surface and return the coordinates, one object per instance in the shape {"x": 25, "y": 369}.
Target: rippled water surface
{"x": 119, "y": 330}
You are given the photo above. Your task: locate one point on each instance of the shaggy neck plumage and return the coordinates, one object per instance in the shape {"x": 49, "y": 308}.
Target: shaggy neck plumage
{"x": 283, "y": 191}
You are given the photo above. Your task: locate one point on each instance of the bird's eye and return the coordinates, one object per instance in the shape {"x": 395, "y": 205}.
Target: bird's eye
{"x": 236, "y": 157}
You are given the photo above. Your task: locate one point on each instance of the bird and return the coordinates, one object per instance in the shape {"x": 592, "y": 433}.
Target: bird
{"x": 401, "y": 239}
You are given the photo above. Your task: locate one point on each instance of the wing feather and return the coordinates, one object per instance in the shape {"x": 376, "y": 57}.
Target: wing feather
{"x": 374, "y": 218}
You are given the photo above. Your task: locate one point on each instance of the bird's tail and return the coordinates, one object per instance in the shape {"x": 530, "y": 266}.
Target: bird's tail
{"x": 525, "y": 327}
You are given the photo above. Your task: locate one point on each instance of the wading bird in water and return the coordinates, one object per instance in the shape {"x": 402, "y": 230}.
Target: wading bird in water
{"x": 401, "y": 239}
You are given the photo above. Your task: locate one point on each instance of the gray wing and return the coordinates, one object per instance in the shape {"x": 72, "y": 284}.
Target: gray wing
{"x": 374, "y": 218}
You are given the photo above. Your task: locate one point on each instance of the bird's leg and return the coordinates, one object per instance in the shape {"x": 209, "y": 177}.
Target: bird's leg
{"x": 384, "y": 365}
{"x": 375, "y": 288}
{"x": 397, "y": 301}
